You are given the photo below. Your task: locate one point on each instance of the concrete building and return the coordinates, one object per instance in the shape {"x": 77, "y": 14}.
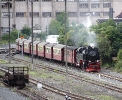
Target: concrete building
{"x": 46, "y": 10}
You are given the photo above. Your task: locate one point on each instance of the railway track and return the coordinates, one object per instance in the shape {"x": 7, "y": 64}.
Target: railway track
{"x": 51, "y": 89}
{"x": 78, "y": 77}
{"x": 32, "y": 94}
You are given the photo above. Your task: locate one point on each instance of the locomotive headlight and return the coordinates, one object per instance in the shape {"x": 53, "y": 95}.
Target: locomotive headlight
{"x": 89, "y": 61}
{"x": 92, "y": 45}
{"x": 98, "y": 60}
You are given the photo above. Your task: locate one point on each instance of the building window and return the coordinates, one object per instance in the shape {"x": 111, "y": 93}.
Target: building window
{"x": 46, "y": 14}
{"x": 59, "y": 0}
{"x": 46, "y": 0}
{"x": 58, "y": 13}
{"x": 20, "y": 14}
{"x": 107, "y": 0}
{"x": 95, "y": 13}
{"x": 71, "y": 0}
{"x": 95, "y": 0}
{"x": 35, "y": 14}
{"x": 105, "y": 13}
{"x": 72, "y": 14}
{"x": 6, "y": 0}
{"x": 83, "y": 14}
{"x": 6, "y": 14}
{"x": 83, "y": 0}
{"x": 83, "y": 5}
{"x": 5, "y": 5}
{"x": 95, "y": 5}
{"x": 106, "y": 5}
{"x": 20, "y": 0}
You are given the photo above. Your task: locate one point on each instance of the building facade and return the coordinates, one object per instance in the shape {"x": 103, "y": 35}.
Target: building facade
{"x": 46, "y": 10}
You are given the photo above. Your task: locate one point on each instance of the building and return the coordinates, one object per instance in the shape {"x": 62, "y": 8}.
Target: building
{"x": 46, "y": 10}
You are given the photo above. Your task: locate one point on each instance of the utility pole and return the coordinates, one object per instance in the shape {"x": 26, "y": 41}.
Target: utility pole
{"x": 9, "y": 29}
{"x": 32, "y": 32}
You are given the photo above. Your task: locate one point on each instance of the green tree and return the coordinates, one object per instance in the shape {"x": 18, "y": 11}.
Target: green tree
{"x": 26, "y": 31}
{"x": 13, "y": 36}
{"x": 110, "y": 38}
{"x": 118, "y": 65}
{"x": 42, "y": 36}
{"x": 54, "y": 27}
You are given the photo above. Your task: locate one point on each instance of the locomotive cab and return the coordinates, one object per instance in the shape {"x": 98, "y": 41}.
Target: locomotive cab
{"x": 80, "y": 57}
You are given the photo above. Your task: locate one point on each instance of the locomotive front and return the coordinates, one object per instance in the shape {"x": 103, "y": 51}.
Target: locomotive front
{"x": 92, "y": 59}
{"x": 88, "y": 58}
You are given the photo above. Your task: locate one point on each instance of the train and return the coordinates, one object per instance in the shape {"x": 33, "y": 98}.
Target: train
{"x": 17, "y": 76}
{"x": 85, "y": 57}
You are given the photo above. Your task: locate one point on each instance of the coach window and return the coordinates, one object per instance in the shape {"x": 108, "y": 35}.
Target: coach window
{"x": 25, "y": 46}
{"x": 59, "y": 52}
{"x": 34, "y": 47}
{"x": 40, "y": 48}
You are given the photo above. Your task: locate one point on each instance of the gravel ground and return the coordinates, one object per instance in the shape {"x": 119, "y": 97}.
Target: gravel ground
{"x": 77, "y": 86}
{"x": 8, "y": 94}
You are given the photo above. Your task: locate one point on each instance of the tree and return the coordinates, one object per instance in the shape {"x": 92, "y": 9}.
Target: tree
{"x": 13, "y": 36}
{"x": 54, "y": 27}
{"x": 110, "y": 38}
{"x": 26, "y": 31}
{"x": 42, "y": 36}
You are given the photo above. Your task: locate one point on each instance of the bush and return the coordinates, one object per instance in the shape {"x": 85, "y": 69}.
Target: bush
{"x": 118, "y": 65}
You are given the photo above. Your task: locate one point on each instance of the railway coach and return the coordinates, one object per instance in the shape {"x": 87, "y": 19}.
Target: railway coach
{"x": 19, "y": 44}
{"x": 58, "y": 52}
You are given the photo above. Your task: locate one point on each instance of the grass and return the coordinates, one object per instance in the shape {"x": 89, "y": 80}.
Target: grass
{"x": 2, "y": 61}
{"x": 46, "y": 74}
{"x": 105, "y": 97}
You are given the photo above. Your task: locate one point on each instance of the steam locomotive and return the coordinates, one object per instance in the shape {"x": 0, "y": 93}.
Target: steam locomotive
{"x": 87, "y": 58}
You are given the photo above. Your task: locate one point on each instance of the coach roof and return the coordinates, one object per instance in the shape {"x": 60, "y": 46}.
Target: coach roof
{"x": 59, "y": 46}
{"x": 50, "y": 45}
{"x": 71, "y": 47}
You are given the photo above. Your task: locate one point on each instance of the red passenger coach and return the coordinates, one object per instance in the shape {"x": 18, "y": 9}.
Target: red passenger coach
{"x": 58, "y": 52}
{"x": 41, "y": 49}
{"x": 35, "y": 47}
{"x": 19, "y": 43}
{"x": 71, "y": 54}
{"x": 49, "y": 50}
{"x": 27, "y": 47}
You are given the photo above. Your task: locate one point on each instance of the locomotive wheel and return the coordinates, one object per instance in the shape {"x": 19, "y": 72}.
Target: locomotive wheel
{"x": 22, "y": 86}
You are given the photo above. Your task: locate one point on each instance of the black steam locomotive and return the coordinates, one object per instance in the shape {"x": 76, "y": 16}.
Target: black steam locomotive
{"x": 88, "y": 58}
